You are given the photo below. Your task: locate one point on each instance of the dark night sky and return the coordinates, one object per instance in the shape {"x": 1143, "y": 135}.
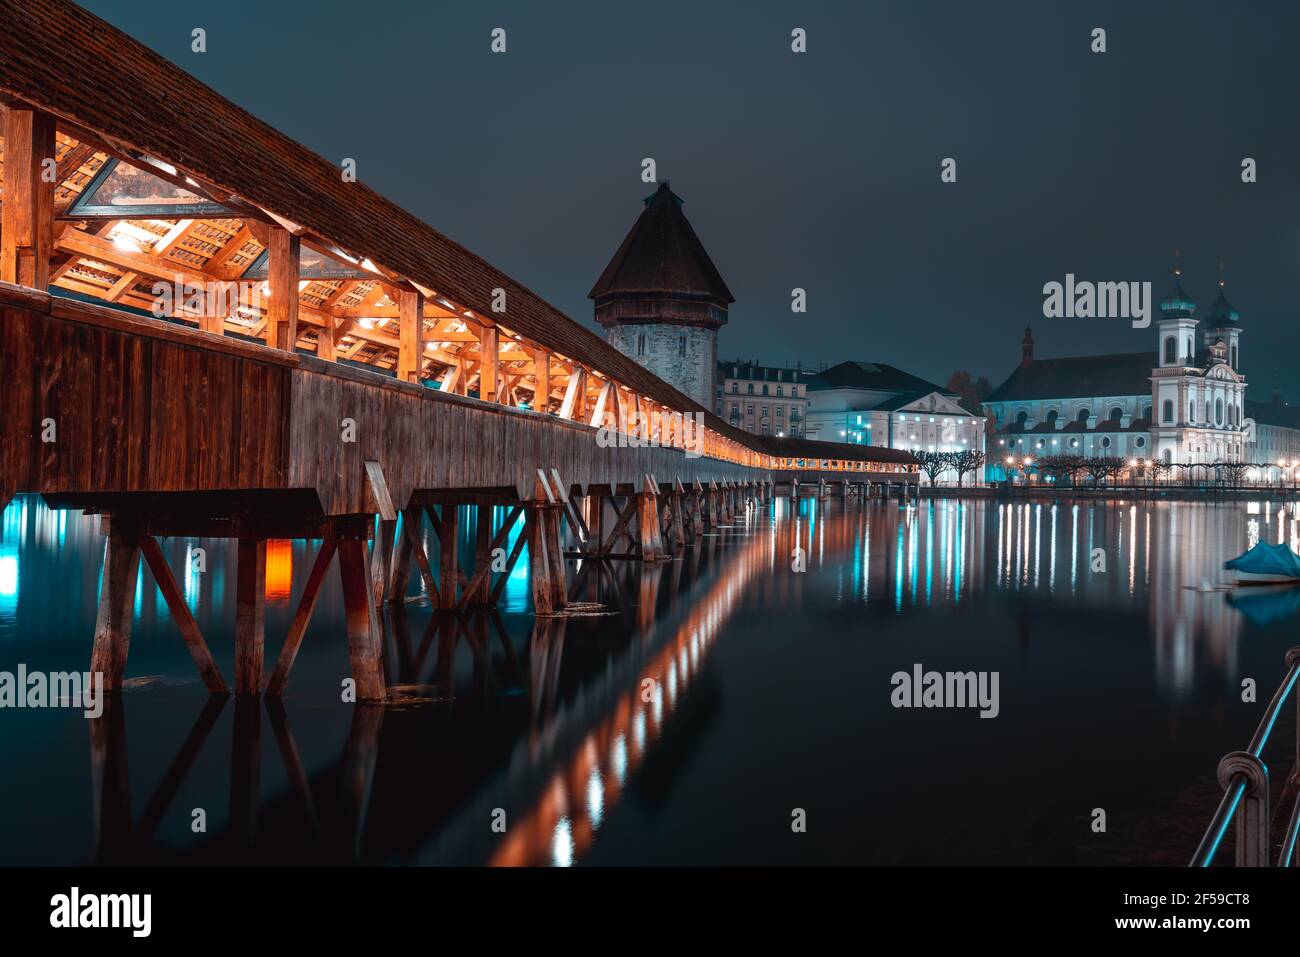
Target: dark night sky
{"x": 818, "y": 170}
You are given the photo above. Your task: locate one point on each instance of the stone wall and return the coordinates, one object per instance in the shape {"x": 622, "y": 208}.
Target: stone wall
{"x": 660, "y": 349}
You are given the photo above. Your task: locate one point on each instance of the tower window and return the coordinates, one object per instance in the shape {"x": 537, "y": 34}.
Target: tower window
{"x": 681, "y": 345}
{"x": 1169, "y": 351}
{"x": 1168, "y": 410}
{"x": 640, "y": 345}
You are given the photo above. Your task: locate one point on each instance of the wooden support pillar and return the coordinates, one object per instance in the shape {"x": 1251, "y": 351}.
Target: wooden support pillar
{"x": 306, "y": 605}
{"x": 573, "y": 405}
{"x": 250, "y": 613}
{"x": 327, "y": 346}
{"x": 676, "y": 502}
{"x": 284, "y": 253}
{"x": 410, "y": 330}
{"x": 448, "y": 567}
{"x": 555, "y": 555}
{"x": 482, "y": 556}
{"x": 181, "y": 614}
{"x": 489, "y": 352}
{"x": 27, "y": 214}
{"x": 542, "y": 370}
{"x": 594, "y": 508}
{"x": 363, "y": 631}
{"x": 652, "y": 545}
{"x": 711, "y": 506}
{"x": 116, "y": 601}
{"x": 411, "y": 546}
{"x": 381, "y": 560}
{"x": 539, "y": 565}
{"x": 403, "y": 551}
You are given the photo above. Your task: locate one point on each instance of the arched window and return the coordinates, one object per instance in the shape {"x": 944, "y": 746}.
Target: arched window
{"x": 1167, "y": 411}
{"x": 1208, "y": 420}
{"x": 1166, "y": 456}
{"x": 1021, "y": 418}
{"x": 1051, "y": 419}
{"x": 1116, "y": 413}
{"x": 1234, "y": 356}
{"x": 1171, "y": 348}
{"x": 1084, "y": 415}
{"x": 1218, "y": 412}
{"x": 1146, "y": 413}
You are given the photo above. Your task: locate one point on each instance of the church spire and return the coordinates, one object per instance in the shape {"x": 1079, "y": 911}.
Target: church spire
{"x": 1178, "y": 305}
{"x": 1221, "y": 315}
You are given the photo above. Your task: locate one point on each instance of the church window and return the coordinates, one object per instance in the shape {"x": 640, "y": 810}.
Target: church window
{"x": 1139, "y": 441}
{"x": 1051, "y": 419}
{"x": 681, "y": 345}
{"x": 1146, "y": 413}
{"x": 1021, "y": 418}
{"x": 1234, "y": 357}
{"x": 1168, "y": 410}
{"x": 1084, "y": 415}
{"x": 640, "y": 345}
{"x": 1116, "y": 413}
{"x": 1170, "y": 347}
{"x": 1105, "y": 441}
{"x": 1218, "y": 412}
{"x": 1207, "y": 411}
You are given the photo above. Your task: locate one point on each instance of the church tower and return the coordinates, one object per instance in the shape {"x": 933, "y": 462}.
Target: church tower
{"x": 662, "y": 301}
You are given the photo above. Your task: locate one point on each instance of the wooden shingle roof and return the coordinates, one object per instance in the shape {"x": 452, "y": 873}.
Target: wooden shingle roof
{"x": 662, "y": 254}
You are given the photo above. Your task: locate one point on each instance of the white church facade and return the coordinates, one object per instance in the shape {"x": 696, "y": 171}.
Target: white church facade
{"x": 1183, "y": 403}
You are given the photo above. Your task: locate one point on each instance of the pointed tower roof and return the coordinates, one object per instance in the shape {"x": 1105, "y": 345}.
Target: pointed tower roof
{"x": 1178, "y": 305}
{"x": 1221, "y": 315}
{"x": 662, "y": 254}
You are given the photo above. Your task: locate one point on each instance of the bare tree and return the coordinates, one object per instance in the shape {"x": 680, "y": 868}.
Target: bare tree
{"x": 934, "y": 464}
{"x": 967, "y": 460}
{"x": 1096, "y": 469}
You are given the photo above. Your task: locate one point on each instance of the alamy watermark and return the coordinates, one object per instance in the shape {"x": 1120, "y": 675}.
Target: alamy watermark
{"x": 656, "y": 430}
{"x": 1081, "y": 299}
{"x": 57, "y": 689}
{"x": 192, "y": 300}
{"x": 77, "y": 910}
{"x": 946, "y": 689}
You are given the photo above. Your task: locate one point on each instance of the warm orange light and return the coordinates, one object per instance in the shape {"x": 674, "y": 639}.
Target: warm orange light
{"x": 279, "y": 570}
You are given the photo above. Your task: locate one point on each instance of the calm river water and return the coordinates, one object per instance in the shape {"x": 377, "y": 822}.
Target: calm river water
{"x": 686, "y": 719}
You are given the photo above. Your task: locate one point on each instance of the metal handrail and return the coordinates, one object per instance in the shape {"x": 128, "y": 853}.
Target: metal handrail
{"x": 1244, "y": 777}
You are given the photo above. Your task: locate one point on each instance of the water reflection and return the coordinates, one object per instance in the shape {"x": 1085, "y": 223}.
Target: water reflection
{"x": 578, "y": 727}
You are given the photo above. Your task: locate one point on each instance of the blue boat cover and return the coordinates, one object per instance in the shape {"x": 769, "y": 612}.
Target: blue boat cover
{"x": 1267, "y": 560}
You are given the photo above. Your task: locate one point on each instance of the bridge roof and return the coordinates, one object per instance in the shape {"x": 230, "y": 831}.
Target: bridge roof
{"x": 94, "y": 78}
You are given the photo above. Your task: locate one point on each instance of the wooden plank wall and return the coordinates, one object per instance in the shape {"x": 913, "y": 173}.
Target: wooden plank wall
{"x": 142, "y": 405}
{"x": 135, "y": 413}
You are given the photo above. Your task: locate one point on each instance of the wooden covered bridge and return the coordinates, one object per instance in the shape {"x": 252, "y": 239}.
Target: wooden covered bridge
{"x": 208, "y": 330}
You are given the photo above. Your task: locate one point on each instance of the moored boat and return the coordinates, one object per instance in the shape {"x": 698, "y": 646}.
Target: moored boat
{"x": 1266, "y": 565}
